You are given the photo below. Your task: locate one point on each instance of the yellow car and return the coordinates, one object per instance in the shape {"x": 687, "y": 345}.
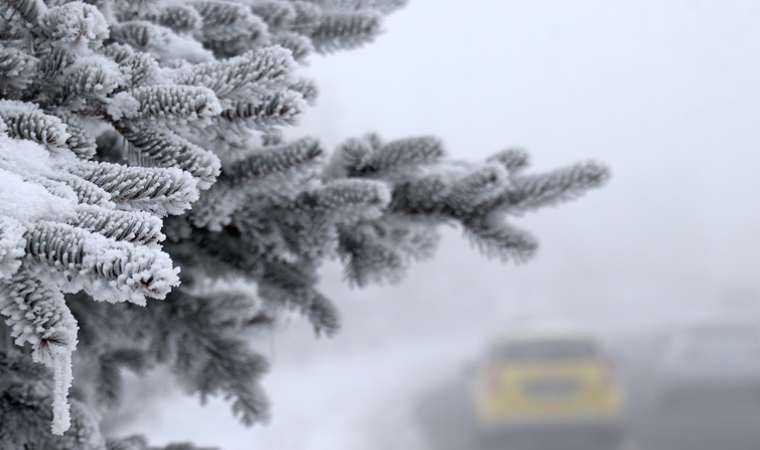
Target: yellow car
{"x": 544, "y": 385}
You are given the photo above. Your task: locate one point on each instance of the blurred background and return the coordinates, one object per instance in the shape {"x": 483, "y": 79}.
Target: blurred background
{"x": 635, "y": 325}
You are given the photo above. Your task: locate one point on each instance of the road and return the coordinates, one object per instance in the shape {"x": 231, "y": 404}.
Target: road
{"x": 442, "y": 411}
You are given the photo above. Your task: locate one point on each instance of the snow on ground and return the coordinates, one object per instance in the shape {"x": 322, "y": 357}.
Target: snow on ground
{"x": 358, "y": 400}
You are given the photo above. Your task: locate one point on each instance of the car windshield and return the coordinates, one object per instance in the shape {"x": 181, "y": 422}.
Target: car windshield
{"x": 545, "y": 349}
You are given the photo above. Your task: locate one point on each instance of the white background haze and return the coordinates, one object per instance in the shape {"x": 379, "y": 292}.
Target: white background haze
{"x": 665, "y": 92}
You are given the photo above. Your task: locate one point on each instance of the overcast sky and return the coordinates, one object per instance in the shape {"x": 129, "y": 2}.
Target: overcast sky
{"x": 665, "y": 92}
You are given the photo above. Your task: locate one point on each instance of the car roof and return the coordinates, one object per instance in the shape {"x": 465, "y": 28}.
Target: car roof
{"x": 546, "y": 332}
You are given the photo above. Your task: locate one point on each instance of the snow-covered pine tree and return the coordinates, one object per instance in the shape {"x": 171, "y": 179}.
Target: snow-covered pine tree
{"x": 141, "y": 137}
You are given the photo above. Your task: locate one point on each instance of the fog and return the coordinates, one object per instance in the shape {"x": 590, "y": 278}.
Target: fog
{"x": 664, "y": 92}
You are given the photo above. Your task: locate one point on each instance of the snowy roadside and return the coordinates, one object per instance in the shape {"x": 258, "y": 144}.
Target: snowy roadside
{"x": 357, "y": 401}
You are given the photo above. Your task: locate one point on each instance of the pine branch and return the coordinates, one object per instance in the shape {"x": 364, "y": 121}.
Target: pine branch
{"x": 114, "y": 114}
{"x": 160, "y": 190}
{"x": 107, "y": 269}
